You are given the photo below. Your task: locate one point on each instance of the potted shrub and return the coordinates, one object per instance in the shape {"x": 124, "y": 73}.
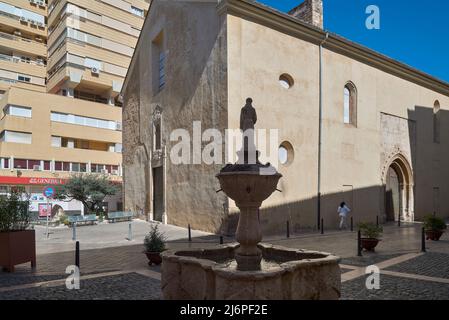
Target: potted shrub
{"x": 17, "y": 242}
{"x": 154, "y": 243}
{"x": 434, "y": 227}
{"x": 370, "y": 235}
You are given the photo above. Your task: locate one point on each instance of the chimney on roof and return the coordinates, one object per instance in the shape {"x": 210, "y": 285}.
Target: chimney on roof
{"x": 310, "y": 11}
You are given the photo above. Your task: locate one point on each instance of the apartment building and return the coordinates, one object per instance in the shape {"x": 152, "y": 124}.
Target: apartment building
{"x": 62, "y": 67}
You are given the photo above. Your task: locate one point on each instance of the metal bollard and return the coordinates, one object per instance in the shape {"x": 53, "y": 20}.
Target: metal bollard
{"x": 399, "y": 220}
{"x": 423, "y": 240}
{"x": 377, "y": 220}
{"x": 359, "y": 244}
{"x": 77, "y": 254}
{"x": 130, "y": 232}
{"x": 288, "y": 229}
{"x": 352, "y": 224}
{"x": 221, "y": 239}
{"x": 190, "y": 234}
{"x": 74, "y": 231}
{"x": 322, "y": 226}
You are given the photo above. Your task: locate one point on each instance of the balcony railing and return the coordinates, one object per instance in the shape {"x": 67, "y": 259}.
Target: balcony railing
{"x": 5, "y": 57}
{"x": 18, "y": 38}
{"x": 23, "y": 19}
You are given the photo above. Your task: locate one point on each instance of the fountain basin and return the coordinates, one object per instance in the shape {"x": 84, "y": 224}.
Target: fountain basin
{"x": 248, "y": 188}
{"x": 286, "y": 274}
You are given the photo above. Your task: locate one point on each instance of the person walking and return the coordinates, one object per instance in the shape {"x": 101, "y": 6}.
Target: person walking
{"x": 343, "y": 211}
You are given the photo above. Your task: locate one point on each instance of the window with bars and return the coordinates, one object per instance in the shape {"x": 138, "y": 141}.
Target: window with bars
{"x": 161, "y": 70}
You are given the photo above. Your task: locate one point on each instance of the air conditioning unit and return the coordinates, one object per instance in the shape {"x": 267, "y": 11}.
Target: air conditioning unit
{"x": 118, "y": 126}
{"x": 95, "y": 70}
{"x": 37, "y": 168}
{"x": 40, "y": 24}
{"x": 104, "y": 171}
{"x": 115, "y": 172}
{"x": 23, "y": 19}
{"x": 17, "y": 33}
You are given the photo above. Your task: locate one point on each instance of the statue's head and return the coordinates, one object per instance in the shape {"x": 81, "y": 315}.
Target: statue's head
{"x": 249, "y": 101}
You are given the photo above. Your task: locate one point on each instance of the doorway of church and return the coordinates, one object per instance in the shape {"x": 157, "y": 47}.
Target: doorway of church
{"x": 158, "y": 193}
{"x": 393, "y": 195}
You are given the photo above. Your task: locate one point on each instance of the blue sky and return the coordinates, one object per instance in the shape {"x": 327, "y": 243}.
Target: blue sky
{"x": 415, "y": 32}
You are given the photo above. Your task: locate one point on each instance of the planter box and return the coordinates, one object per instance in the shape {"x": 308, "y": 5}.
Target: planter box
{"x": 434, "y": 235}
{"x": 16, "y": 248}
{"x": 369, "y": 244}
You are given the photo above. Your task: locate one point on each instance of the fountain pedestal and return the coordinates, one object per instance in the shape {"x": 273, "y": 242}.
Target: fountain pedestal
{"x": 248, "y": 255}
{"x": 248, "y": 189}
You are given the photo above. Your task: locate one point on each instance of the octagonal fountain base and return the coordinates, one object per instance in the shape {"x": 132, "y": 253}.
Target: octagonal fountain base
{"x": 287, "y": 274}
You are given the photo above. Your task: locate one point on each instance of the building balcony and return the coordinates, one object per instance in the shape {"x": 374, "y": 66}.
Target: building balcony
{"x": 13, "y": 123}
{"x": 24, "y": 24}
{"x": 17, "y": 43}
{"x": 85, "y": 133}
{"x": 121, "y": 13}
{"x": 17, "y": 150}
{"x": 37, "y": 6}
{"x": 6, "y": 83}
{"x": 15, "y": 64}
{"x": 85, "y": 79}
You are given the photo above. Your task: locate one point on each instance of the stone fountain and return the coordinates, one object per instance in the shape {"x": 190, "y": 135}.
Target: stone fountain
{"x": 249, "y": 269}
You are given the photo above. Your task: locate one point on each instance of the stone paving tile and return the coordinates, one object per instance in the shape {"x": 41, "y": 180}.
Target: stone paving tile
{"x": 432, "y": 264}
{"x": 344, "y": 270}
{"x": 130, "y": 286}
{"x": 395, "y": 288}
{"x": 9, "y": 280}
{"x": 368, "y": 259}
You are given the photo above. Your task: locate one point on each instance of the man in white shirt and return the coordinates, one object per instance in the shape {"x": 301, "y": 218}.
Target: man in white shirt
{"x": 343, "y": 212}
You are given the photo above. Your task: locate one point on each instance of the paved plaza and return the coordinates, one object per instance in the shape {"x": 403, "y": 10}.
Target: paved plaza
{"x": 114, "y": 268}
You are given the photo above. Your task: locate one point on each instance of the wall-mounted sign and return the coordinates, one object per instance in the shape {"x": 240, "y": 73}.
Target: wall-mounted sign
{"x": 44, "y": 209}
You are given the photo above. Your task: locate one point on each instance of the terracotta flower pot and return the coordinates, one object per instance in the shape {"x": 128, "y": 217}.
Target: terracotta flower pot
{"x": 434, "y": 235}
{"x": 17, "y": 247}
{"x": 154, "y": 258}
{"x": 369, "y": 244}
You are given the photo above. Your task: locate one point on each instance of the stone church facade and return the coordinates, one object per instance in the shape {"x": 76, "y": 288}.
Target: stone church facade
{"x": 355, "y": 126}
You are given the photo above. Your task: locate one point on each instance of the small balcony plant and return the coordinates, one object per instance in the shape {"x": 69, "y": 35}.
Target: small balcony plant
{"x": 370, "y": 233}
{"x": 434, "y": 227}
{"x": 154, "y": 244}
{"x": 17, "y": 241}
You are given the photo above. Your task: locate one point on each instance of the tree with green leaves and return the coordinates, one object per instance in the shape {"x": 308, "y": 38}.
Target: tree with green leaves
{"x": 14, "y": 215}
{"x": 89, "y": 189}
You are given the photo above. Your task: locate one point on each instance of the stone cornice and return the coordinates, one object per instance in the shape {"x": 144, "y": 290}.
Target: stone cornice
{"x": 282, "y": 22}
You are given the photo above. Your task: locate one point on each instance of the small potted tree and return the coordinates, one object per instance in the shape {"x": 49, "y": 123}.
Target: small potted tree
{"x": 434, "y": 227}
{"x": 154, "y": 243}
{"x": 370, "y": 235}
{"x": 17, "y": 242}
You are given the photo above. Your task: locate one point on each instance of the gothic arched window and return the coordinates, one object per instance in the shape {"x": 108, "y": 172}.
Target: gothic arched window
{"x": 350, "y": 104}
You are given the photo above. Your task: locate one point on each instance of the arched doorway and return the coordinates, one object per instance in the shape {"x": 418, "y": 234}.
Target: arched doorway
{"x": 398, "y": 184}
{"x": 393, "y": 203}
